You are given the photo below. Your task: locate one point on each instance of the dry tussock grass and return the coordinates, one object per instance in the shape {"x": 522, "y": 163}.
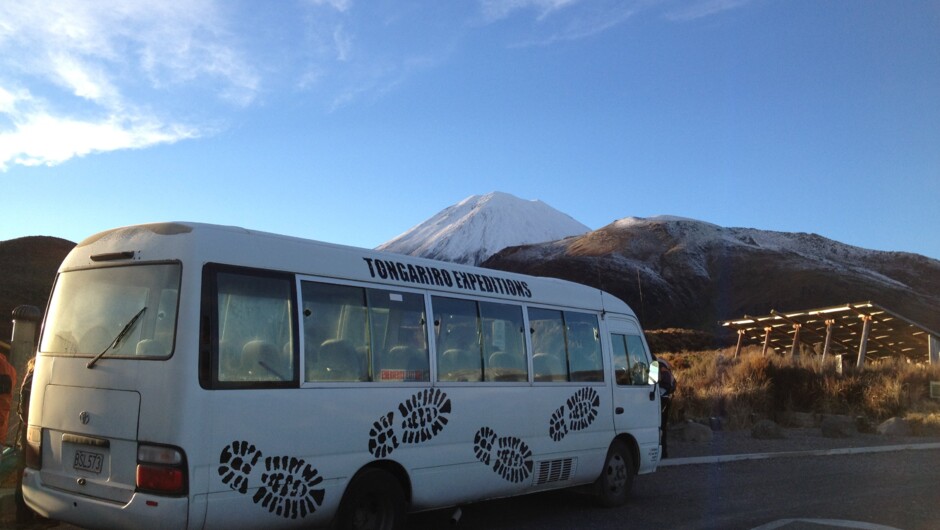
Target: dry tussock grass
{"x": 741, "y": 390}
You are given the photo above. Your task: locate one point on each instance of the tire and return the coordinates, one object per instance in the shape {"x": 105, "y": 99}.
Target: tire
{"x": 612, "y": 487}
{"x": 374, "y": 500}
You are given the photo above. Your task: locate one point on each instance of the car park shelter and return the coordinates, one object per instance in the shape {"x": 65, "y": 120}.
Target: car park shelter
{"x": 872, "y": 331}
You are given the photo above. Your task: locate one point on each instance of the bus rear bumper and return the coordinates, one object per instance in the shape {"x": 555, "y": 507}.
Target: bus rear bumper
{"x": 145, "y": 511}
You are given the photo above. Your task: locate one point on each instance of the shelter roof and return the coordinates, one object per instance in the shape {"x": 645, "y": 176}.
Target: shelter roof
{"x": 890, "y": 335}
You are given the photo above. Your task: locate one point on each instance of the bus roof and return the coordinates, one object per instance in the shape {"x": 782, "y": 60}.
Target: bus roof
{"x": 200, "y": 243}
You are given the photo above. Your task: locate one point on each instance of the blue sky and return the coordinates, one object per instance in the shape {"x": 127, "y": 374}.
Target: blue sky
{"x": 351, "y": 121}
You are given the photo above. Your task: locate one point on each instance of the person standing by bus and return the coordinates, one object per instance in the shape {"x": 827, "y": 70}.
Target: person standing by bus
{"x": 667, "y": 386}
{"x": 23, "y": 513}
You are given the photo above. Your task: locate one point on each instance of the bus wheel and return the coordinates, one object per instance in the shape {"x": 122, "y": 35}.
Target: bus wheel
{"x": 373, "y": 501}
{"x": 612, "y": 487}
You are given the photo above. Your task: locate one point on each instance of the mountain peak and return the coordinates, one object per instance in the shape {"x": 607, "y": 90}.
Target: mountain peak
{"x": 481, "y": 225}
{"x": 628, "y": 222}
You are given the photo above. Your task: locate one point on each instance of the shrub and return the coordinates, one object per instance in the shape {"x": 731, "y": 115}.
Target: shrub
{"x": 750, "y": 387}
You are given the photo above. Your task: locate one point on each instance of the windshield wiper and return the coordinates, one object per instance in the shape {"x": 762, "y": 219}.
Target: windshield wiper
{"x": 117, "y": 340}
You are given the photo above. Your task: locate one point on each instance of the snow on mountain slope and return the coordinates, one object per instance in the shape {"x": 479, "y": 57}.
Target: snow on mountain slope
{"x": 481, "y": 225}
{"x": 694, "y": 238}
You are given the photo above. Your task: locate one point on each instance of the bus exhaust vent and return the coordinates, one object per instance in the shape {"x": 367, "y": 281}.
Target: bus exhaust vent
{"x": 554, "y": 471}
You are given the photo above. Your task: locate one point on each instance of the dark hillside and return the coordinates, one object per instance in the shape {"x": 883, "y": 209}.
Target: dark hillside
{"x": 27, "y": 270}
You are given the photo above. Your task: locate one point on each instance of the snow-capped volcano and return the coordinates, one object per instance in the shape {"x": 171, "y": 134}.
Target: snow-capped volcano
{"x": 481, "y": 225}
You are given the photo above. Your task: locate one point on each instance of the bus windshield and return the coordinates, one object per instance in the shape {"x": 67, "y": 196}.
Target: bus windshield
{"x": 90, "y": 308}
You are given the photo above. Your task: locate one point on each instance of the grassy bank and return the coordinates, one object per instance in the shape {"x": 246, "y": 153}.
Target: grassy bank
{"x": 751, "y": 387}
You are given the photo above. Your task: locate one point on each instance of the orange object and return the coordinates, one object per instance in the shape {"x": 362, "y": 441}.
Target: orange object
{"x": 7, "y": 380}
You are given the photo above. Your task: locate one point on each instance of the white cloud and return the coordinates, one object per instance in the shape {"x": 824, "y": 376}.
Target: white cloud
{"x": 39, "y": 137}
{"x": 75, "y": 75}
{"x": 84, "y": 81}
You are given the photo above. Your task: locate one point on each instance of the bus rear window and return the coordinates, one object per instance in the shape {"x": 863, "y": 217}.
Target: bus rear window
{"x": 90, "y": 308}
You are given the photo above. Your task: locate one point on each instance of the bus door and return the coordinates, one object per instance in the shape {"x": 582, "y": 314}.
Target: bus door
{"x": 636, "y": 401}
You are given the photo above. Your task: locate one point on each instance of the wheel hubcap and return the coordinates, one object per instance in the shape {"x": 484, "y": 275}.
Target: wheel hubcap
{"x": 617, "y": 474}
{"x": 370, "y": 514}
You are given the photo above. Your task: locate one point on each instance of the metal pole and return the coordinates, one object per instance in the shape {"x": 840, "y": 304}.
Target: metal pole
{"x": 23, "y": 344}
{"x": 737, "y": 349}
{"x": 794, "y": 349}
{"x": 863, "y": 343}
{"x": 829, "y": 324}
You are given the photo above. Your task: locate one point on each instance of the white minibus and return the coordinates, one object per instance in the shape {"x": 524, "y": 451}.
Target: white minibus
{"x": 200, "y": 376}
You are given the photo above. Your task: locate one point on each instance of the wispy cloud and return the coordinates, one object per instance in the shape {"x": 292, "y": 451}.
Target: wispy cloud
{"x": 700, "y": 9}
{"x": 84, "y": 77}
{"x": 499, "y": 9}
{"x": 80, "y": 77}
{"x": 355, "y": 53}
{"x": 552, "y": 21}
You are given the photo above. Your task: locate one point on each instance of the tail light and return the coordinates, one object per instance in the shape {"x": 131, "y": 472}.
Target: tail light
{"x": 32, "y": 451}
{"x": 161, "y": 470}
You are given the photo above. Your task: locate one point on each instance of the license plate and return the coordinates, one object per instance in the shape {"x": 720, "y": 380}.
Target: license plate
{"x": 88, "y": 461}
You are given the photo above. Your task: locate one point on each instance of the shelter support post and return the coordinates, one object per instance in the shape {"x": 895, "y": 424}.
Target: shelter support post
{"x": 737, "y": 348}
{"x": 829, "y": 324}
{"x": 933, "y": 345}
{"x": 795, "y": 348}
{"x": 23, "y": 343}
{"x": 767, "y": 331}
{"x": 863, "y": 343}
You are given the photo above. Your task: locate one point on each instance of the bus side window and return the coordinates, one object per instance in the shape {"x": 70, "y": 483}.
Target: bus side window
{"x": 639, "y": 360}
{"x": 549, "y": 359}
{"x": 621, "y": 364}
{"x": 358, "y": 334}
{"x": 457, "y": 337}
{"x": 336, "y": 332}
{"x": 566, "y": 346}
{"x": 631, "y": 365}
{"x": 255, "y": 337}
{"x": 399, "y": 336}
{"x": 504, "y": 354}
{"x": 584, "y": 347}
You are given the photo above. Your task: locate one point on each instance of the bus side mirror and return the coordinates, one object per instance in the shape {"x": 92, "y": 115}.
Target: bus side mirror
{"x": 654, "y": 373}
{"x": 653, "y": 378}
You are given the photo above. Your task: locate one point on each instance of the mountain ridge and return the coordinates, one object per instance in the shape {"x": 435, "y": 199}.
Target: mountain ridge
{"x": 677, "y": 272}
{"x": 674, "y": 271}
